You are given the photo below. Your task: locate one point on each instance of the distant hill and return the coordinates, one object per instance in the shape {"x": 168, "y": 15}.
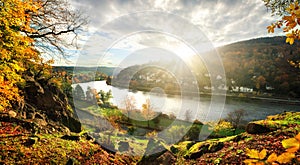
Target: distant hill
{"x": 260, "y": 64}
{"x": 263, "y": 64}
{"x": 106, "y": 70}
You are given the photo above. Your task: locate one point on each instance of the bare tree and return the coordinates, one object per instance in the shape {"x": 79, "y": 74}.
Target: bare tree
{"x": 235, "y": 117}
{"x": 188, "y": 114}
{"x": 56, "y": 25}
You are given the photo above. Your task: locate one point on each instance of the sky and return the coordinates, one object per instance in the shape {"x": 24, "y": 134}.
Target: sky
{"x": 121, "y": 28}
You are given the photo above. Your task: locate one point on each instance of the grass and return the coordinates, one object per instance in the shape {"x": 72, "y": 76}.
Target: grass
{"x": 18, "y": 146}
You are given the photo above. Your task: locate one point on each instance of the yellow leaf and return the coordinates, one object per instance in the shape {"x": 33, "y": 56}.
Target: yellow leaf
{"x": 285, "y": 157}
{"x": 250, "y": 161}
{"x": 252, "y": 153}
{"x": 298, "y": 137}
{"x": 262, "y": 154}
{"x": 292, "y": 149}
{"x": 272, "y": 158}
{"x": 271, "y": 29}
{"x": 291, "y": 142}
{"x": 259, "y": 163}
{"x": 290, "y": 40}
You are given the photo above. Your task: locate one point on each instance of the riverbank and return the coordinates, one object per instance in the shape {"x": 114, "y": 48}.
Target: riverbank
{"x": 235, "y": 96}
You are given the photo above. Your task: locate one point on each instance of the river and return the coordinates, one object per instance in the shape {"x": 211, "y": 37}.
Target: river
{"x": 202, "y": 108}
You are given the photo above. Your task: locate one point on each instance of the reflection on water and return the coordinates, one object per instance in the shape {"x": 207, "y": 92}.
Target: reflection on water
{"x": 199, "y": 108}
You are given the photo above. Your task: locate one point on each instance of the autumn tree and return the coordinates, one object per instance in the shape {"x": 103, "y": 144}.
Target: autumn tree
{"x": 30, "y": 29}
{"x": 130, "y": 105}
{"x": 260, "y": 82}
{"x": 78, "y": 92}
{"x": 148, "y": 111}
{"x": 16, "y": 50}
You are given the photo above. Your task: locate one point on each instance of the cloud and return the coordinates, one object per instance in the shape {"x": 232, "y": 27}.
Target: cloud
{"x": 114, "y": 22}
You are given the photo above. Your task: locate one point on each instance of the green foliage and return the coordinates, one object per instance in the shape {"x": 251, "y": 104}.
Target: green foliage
{"x": 193, "y": 133}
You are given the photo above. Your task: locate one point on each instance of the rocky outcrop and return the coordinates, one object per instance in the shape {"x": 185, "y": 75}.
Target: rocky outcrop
{"x": 201, "y": 148}
{"x": 255, "y": 128}
{"x": 45, "y": 101}
{"x": 155, "y": 150}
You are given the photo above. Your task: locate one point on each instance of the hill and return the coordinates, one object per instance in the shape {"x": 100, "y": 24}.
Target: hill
{"x": 109, "y": 71}
{"x": 261, "y": 65}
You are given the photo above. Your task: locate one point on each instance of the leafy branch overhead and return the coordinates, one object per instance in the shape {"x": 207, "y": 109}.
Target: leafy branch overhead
{"x": 290, "y": 10}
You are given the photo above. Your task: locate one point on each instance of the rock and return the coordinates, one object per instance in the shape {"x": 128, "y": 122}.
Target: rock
{"x": 30, "y": 141}
{"x": 71, "y": 137}
{"x": 165, "y": 158}
{"x": 123, "y": 146}
{"x": 216, "y": 146}
{"x": 254, "y": 128}
{"x": 199, "y": 152}
{"x": 45, "y": 99}
{"x": 154, "y": 150}
{"x": 201, "y": 148}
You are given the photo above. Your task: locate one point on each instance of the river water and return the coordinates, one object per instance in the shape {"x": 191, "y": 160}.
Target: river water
{"x": 202, "y": 108}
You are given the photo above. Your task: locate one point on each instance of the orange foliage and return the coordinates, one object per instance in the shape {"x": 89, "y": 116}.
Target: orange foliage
{"x": 290, "y": 24}
{"x": 292, "y": 145}
{"x": 16, "y": 49}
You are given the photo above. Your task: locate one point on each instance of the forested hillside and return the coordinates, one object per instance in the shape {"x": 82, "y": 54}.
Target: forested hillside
{"x": 261, "y": 63}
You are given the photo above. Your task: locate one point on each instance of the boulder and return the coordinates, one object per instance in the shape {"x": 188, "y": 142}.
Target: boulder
{"x": 46, "y": 99}
{"x": 154, "y": 150}
{"x": 123, "y": 146}
{"x": 254, "y": 128}
{"x": 200, "y": 148}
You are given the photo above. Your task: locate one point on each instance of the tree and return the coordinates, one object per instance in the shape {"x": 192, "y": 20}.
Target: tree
{"x": 88, "y": 94}
{"x": 27, "y": 28}
{"x": 260, "y": 82}
{"x": 53, "y": 20}
{"x": 236, "y": 117}
{"x": 105, "y": 97}
{"x": 78, "y": 93}
{"x": 290, "y": 10}
{"x": 187, "y": 115}
{"x": 130, "y": 103}
{"x": 148, "y": 111}
{"x": 15, "y": 48}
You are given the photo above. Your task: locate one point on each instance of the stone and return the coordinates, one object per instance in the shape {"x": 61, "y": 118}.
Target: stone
{"x": 254, "y": 128}
{"x": 47, "y": 100}
{"x": 71, "y": 137}
{"x": 154, "y": 150}
{"x": 123, "y": 146}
